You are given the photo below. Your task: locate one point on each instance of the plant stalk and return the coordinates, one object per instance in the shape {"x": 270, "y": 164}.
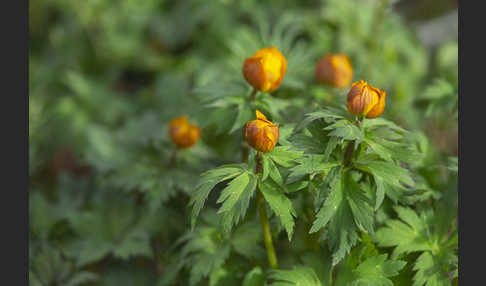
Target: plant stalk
{"x": 348, "y": 154}
{"x": 267, "y": 236}
{"x": 173, "y": 158}
{"x": 253, "y": 94}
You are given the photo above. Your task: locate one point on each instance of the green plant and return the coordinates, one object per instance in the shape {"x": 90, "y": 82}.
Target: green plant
{"x": 311, "y": 195}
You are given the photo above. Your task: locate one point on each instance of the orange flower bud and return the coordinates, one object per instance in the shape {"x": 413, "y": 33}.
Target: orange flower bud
{"x": 261, "y": 133}
{"x": 366, "y": 100}
{"x": 266, "y": 69}
{"x": 334, "y": 70}
{"x": 183, "y": 133}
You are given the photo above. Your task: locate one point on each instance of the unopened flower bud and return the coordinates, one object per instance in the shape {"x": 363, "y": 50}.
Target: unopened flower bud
{"x": 261, "y": 133}
{"x": 266, "y": 69}
{"x": 335, "y": 70}
{"x": 366, "y": 100}
{"x": 183, "y": 133}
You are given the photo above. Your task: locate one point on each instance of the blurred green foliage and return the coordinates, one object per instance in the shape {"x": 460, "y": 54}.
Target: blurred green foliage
{"x": 107, "y": 208}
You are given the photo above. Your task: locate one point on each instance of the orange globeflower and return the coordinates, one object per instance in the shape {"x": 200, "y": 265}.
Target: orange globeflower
{"x": 366, "y": 100}
{"x": 261, "y": 133}
{"x": 266, "y": 69}
{"x": 183, "y": 133}
{"x": 334, "y": 69}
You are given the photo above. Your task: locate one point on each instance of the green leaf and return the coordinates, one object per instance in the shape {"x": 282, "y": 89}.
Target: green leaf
{"x": 245, "y": 240}
{"x": 389, "y": 172}
{"x": 346, "y": 130}
{"x": 284, "y": 134}
{"x": 331, "y": 204}
{"x": 331, "y": 145}
{"x": 309, "y": 164}
{"x": 266, "y": 166}
{"x": 280, "y": 205}
{"x": 430, "y": 271}
{"x": 380, "y": 191}
{"x": 360, "y": 206}
{"x": 393, "y": 151}
{"x": 232, "y": 192}
{"x": 81, "y": 278}
{"x": 207, "y": 182}
{"x": 299, "y": 275}
{"x": 244, "y": 115}
{"x": 137, "y": 242}
{"x": 327, "y": 114}
{"x": 344, "y": 210}
{"x": 410, "y": 233}
{"x": 274, "y": 173}
{"x": 255, "y": 277}
{"x": 342, "y": 233}
{"x": 283, "y": 156}
{"x": 320, "y": 261}
{"x": 381, "y": 122}
{"x": 376, "y": 271}
{"x": 205, "y": 250}
{"x": 236, "y": 197}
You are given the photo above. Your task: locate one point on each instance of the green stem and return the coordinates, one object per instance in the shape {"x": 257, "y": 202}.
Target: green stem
{"x": 253, "y": 94}
{"x": 267, "y": 236}
{"x": 173, "y": 158}
{"x": 348, "y": 154}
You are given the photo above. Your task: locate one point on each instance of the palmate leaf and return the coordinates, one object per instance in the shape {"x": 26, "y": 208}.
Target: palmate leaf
{"x": 245, "y": 240}
{"x": 361, "y": 207}
{"x": 283, "y": 156}
{"x": 285, "y": 132}
{"x": 207, "y": 182}
{"x": 381, "y": 122}
{"x": 280, "y": 205}
{"x": 409, "y": 234}
{"x": 299, "y": 275}
{"x": 392, "y": 151}
{"x": 431, "y": 233}
{"x": 203, "y": 252}
{"x": 388, "y": 172}
{"x": 254, "y": 278}
{"x": 206, "y": 249}
{"x": 270, "y": 169}
{"x": 430, "y": 271}
{"x": 112, "y": 226}
{"x": 376, "y": 271}
{"x": 345, "y": 210}
{"x": 320, "y": 261}
{"x": 48, "y": 267}
{"x": 309, "y": 164}
{"x": 331, "y": 204}
{"x": 328, "y": 114}
{"x": 236, "y": 197}
{"x": 346, "y": 130}
{"x": 244, "y": 115}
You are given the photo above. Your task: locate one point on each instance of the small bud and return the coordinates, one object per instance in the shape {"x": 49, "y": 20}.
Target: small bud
{"x": 183, "y": 133}
{"x": 266, "y": 69}
{"x": 261, "y": 133}
{"x": 366, "y": 100}
{"x": 335, "y": 70}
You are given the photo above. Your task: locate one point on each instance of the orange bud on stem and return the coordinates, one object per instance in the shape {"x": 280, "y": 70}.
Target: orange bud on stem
{"x": 183, "y": 133}
{"x": 266, "y": 69}
{"x": 366, "y": 100}
{"x": 261, "y": 133}
{"x": 335, "y": 70}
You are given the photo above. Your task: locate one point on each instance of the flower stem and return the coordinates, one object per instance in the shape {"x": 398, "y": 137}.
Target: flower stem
{"x": 253, "y": 94}
{"x": 348, "y": 154}
{"x": 173, "y": 158}
{"x": 267, "y": 236}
